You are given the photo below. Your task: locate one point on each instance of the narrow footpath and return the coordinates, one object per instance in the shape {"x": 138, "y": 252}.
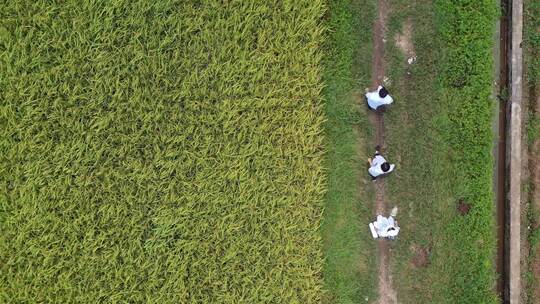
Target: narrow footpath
{"x": 387, "y": 294}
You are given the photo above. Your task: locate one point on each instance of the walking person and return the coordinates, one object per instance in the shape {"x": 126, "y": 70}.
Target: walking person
{"x": 385, "y": 227}
{"x": 379, "y": 166}
{"x": 379, "y": 99}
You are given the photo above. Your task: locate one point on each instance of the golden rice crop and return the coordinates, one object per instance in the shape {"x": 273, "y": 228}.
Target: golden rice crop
{"x": 160, "y": 151}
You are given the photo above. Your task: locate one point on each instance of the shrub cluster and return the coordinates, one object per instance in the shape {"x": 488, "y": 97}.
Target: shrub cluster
{"x": 160, "y": 151}
{"x": 466, "y": 74}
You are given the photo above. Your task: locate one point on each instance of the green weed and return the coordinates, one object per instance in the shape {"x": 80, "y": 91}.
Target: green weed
{"x": 531, "y": 35}
{"x": 531, "y": 51}
{"x": 439, "y": 133}
{"x": 349, "y": 269}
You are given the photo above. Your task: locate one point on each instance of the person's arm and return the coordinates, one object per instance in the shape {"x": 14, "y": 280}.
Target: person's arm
{"x": 387, "y": 100}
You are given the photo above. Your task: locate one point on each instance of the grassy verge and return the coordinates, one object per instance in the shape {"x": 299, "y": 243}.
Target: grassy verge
{"x": 439, "y": 134}
{"x": 161, "y": 152}
{"x": 466, "y": 29}
{"x": 532, "y": 77}
{"x": 349, "y": 270}
{"x": 532, "y": 41}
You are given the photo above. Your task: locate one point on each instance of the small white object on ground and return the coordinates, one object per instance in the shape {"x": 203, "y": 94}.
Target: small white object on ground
{"x": 373, "y": 231}
{"x": 394, "y": 211}
{"x": 411, "y": 60}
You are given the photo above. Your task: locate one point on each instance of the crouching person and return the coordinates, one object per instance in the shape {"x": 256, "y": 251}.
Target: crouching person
{"x": 379, "y": 167}
{"x": 379, "y": 99}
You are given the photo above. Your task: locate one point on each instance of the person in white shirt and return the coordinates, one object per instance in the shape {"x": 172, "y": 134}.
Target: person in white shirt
{"x": 379, "y": 166}
{"x": 378, "y": 98}
{"x": 385, "y": 227}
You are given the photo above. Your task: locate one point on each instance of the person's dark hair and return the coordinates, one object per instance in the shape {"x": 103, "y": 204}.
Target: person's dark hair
{"x": 385, "y": 166}
{"x": 391, "y": 229}
{"x": 383, "y": 92}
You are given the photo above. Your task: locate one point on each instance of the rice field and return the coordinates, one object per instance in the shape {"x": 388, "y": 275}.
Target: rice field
{"x": 161, "y": 151}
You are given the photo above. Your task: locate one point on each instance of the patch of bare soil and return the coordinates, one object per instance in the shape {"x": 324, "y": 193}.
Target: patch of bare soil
{"x": 404, "y": 40}
{"x": 387, "y": 294}
{"x": 420, "y": 256}
{"x": 379, "y": 29}
{"x": 463, "y": 207}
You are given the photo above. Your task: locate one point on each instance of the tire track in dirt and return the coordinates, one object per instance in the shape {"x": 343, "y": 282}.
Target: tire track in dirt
{"x": 387, "y": 294}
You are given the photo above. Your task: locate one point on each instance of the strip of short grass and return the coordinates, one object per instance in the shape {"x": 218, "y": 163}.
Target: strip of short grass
{"x": 349, "y": 272}
{"x": 439, "y": 134}
{"x": 422, "y": 184}
{"x": 532, "y": 40}
{"x": 466, "y": 78}
{"x": 531, "y": 53}
{"x": 161, "y": 151}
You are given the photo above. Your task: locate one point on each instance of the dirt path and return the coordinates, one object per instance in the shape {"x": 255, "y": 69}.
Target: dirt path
{"x": 387, "y": 294}
{"x": 379, "y": 28}
{"x": 377, "y": 66}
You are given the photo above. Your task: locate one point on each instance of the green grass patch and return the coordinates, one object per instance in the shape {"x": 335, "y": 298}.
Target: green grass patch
{"x": 466, "y": 29}
{"x": 349, "y": 272}
{"x": 531, "y": 34}
{"x": 439, "y": 134}
{"x": 531, "y": 52}
{"x": 161, "y": 151}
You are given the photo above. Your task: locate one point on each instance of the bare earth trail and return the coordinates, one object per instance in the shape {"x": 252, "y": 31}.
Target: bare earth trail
{"x": 387, "y": 294}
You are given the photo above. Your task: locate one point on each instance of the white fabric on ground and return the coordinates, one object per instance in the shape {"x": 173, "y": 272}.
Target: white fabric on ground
{"x": 373, "y": 231}
{"x": 383, "y": 224}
